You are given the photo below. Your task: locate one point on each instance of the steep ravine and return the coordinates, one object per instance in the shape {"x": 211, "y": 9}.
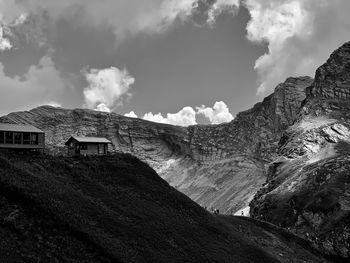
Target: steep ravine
{"x": 219, "y": 166}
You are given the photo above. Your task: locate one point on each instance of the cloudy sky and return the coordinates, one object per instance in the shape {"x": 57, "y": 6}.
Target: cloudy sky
{"x": 173, "y": 61}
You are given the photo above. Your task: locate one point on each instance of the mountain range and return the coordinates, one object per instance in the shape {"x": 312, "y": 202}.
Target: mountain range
{"x": 287, "y": 157}
{"x": 219, "y": 166}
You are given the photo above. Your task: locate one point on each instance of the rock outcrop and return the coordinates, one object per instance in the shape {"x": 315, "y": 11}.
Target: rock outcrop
{"x": 308, "y": 183}
{"x": 332, "y": 80}
{"x": 219, "y": 166}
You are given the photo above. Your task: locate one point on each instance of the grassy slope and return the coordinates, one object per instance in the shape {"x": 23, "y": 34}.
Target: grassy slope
{"x": 113, "y": 208}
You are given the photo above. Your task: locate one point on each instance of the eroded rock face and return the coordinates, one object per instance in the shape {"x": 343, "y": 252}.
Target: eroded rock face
{"x": 219, "y": 166}
{"x": 254, "y": 132}
{"x": 332, "y": 80}
{"x": 308, "y": 183}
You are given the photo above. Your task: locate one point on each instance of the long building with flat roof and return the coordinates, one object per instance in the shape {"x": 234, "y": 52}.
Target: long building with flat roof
{"x": 21, "y": 136}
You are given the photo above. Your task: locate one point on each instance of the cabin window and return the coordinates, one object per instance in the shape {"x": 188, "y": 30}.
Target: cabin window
{"x": 26, "y": 138}
{"x": 9, "y": 137}
{"x": 18, "y": 137}
{"x": 2, "y": 137}
{"x": 34, "y": 138}
{"x": 83, "y": 146}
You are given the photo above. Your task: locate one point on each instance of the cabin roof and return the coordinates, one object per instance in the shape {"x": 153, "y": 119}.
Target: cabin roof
{"x": 89, "y": 139}
{"x": 19, "y": 128}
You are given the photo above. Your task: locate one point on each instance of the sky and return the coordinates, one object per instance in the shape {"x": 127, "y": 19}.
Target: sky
{"x": 181, "y": 62}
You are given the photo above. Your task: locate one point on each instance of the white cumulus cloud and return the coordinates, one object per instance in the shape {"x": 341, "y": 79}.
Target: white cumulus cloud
{"x": 219, "y": 113}
{"x": 300, "y": 35}
{"x": 106, "y": 88}
{"x": 131, "y": 114}
{"x": 185, "y": 117}
{"x": 157, "y": 117}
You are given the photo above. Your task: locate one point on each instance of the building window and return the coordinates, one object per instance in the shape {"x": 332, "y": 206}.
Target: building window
{"x": 2, "y": 137}
{"x": 34, "y": 138}
{"x": 83, "y": 146}
{"x": 26, "y": 138}
{"x": 18, "y": 137}
{"x": 9, "y": 137}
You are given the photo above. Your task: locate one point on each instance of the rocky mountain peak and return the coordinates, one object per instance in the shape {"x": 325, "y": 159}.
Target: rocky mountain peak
{"x": 332, "y": 79}
{"x": 307, "y": 190}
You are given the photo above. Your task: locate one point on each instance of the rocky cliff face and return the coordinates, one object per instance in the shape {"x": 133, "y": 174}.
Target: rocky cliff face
{"x": 231, "y": 158}
{"x": 332, "y": 80}
{"x": 308, "y": 186}
{"x": 216, "y": 165}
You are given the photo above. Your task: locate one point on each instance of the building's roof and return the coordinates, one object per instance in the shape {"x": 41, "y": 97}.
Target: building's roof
{"x": 89, "y": 139}
{"x": 19, "y": 128}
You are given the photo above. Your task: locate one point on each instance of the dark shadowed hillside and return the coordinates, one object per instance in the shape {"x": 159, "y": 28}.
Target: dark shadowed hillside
{"x": 117, "y": 209}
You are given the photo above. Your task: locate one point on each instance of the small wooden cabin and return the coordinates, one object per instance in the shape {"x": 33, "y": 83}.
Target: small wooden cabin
{"x": 87, "y": 145}
{"x": 22, "y": 137}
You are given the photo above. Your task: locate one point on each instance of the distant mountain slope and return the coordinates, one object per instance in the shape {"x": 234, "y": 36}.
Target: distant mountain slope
{"x": 308, "y": 186}
{"x": 216, "y": 165}
{"x": 117, "y": 209}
